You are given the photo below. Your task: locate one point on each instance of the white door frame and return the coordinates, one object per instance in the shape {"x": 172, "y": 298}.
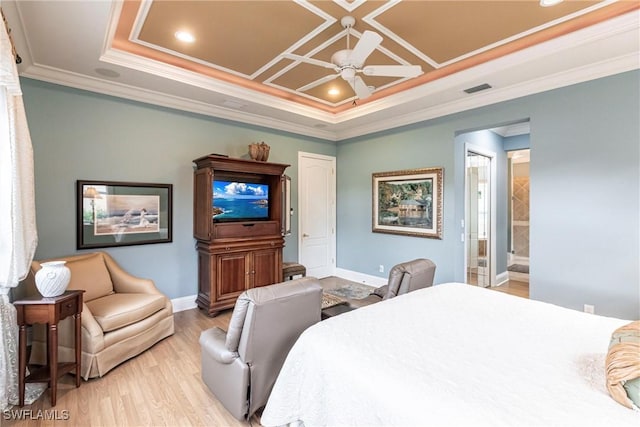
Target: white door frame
{"x": 471, "y": 148}
{"x": 332, "y": 211}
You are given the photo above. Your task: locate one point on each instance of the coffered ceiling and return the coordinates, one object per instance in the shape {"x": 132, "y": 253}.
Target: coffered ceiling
{"x": 240, "y": 64}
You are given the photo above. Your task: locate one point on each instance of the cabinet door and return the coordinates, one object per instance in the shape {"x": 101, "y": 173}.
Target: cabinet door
{"x": 265, "y": 264}
{"x": 202, "y": 204}
{"x": 233, "y": 274}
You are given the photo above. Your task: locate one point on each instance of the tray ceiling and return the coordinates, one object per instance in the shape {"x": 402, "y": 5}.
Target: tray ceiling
{"x": 243, "y": 42}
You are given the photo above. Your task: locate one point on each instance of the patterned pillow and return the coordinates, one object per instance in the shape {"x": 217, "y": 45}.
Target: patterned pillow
{"x": 623, "y": 365}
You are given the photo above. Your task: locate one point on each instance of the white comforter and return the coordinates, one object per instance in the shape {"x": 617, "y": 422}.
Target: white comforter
{"x": 450, "y": 355}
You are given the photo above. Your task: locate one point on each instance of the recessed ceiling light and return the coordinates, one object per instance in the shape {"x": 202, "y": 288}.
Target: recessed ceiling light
{"x": 547, "y": 3}
{"x": 185, "y": 36}
{"x": 334, "y": 91}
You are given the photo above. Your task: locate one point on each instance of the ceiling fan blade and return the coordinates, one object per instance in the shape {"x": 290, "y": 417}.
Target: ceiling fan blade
{"x": 318, "y": 82}
{"x": 359, "y": 87}
{"x": 310, "y": 61}
{"x": 365, "y": 46}
{"x": 392, "y": 70}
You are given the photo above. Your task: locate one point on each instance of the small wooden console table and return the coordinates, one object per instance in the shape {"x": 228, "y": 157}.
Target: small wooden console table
{"x": 50, "y": 311}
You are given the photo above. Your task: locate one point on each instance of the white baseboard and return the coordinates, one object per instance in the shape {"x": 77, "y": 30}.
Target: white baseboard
{"x": 502, "y": 278}
{"x": 367, "y": 279}
{"x": 184, "y": 303}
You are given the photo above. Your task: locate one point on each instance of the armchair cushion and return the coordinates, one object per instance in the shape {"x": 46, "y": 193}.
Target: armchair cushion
{"x": 118, "y": 310}
{"x": 89, "y": 269}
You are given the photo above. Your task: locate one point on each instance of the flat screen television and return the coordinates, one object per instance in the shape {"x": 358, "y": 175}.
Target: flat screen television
{"x": 240, "y": 201}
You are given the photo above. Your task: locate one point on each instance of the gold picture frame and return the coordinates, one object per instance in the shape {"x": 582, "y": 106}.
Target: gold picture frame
{"x": 408, "y": 202}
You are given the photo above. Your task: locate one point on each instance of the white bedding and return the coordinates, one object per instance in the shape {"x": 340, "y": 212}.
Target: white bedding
{"x": 452, "y": 355}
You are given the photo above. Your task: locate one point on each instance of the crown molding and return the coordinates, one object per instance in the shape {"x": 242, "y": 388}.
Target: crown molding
{"x": 191, "y": 78}
{"x": 80, "y": 81}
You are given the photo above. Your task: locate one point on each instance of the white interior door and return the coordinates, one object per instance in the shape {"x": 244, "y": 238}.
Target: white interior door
{"x": 317, "y": 214}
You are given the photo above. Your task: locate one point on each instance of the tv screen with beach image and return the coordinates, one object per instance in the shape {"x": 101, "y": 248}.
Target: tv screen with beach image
{"x": 240, "y": 201}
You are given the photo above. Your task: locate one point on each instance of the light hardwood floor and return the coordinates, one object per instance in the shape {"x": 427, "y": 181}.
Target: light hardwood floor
{"x": 160, "y": 387}
{"x": 514, "y": 287}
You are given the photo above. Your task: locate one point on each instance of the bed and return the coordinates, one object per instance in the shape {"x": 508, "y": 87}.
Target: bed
{"x": 450, "y": 355}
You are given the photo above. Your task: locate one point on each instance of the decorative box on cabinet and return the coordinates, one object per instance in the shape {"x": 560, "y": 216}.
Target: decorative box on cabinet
{"x": 240, "y": 255}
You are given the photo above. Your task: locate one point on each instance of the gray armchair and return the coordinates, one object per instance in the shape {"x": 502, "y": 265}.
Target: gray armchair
{"x": 241, "y": 365}
{"x": 403, "y": 278}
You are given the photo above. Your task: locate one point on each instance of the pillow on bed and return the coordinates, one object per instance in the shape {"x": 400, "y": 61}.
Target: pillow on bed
{"x": 623, "y": 365}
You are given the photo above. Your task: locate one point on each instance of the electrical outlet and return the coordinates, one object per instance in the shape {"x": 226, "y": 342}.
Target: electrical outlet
{"x": 589, "y": 309}
{"x": 381, "y": 268}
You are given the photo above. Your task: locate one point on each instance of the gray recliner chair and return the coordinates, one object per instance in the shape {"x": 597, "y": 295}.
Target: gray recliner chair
{"x": 241, "y": 365}
{"x": 403, "y": 278}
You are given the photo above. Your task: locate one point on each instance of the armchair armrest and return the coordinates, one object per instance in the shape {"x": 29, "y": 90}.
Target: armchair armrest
{"x": 93, "y": 337}
{"x": 214, "y": 341}
{"x": 124, "y": 282}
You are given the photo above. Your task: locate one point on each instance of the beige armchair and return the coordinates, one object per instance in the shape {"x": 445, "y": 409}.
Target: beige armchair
{"x": 403, "y": 278}
{"x": 122, "y": 315}
{"x": 241, "y": 365}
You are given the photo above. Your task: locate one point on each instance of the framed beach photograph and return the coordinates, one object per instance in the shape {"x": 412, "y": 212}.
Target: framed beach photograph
{"x": 111, "y": 213}
{"x": 408, "y": 202}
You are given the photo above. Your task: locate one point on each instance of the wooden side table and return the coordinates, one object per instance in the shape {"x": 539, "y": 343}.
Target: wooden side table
{"x": 50, "y": 311}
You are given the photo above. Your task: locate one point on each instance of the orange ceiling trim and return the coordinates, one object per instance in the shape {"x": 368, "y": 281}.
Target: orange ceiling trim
{"x": 595, "y": 17}
{"x": 130, "y": 10}
{"x": 121, "y": 41}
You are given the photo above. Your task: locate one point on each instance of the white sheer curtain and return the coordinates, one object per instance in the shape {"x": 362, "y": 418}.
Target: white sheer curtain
{"x": 18, "y": 237}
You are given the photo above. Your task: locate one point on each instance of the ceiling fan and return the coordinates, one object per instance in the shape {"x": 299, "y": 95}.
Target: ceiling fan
{"x": 348, "y": 62}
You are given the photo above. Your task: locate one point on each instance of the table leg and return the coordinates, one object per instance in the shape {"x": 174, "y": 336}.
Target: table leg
{"x": 77, "y": 321}
{"x": 53, "y": 361}
{"x": 22, "y": 362}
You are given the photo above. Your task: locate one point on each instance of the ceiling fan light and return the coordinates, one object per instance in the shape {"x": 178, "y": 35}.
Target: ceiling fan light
{"x": 348, "y": 73}
{"x": 548, "y": 3}
{"x": 334, "y": 91}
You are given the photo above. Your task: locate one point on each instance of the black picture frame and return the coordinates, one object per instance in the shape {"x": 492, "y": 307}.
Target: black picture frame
{"x": 113, "y": 213}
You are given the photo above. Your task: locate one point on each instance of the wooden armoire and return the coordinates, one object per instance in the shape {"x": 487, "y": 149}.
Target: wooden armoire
{"x": 235, "y": 254}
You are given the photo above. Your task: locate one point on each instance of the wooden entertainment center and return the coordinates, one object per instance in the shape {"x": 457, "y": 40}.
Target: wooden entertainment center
{"x": 236, "y": 254}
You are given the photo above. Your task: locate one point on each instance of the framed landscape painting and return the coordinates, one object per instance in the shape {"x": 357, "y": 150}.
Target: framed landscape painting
{"x": 408, "y": 202}
{"x": 113, "y": 213}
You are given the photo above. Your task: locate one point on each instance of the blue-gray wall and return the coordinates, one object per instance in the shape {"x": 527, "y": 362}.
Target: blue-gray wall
{"x": 585, "y": 183}
{"x": 585, "y": 188}
{"x": 83, "y": 135}
{"x": 517, "y": 142}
